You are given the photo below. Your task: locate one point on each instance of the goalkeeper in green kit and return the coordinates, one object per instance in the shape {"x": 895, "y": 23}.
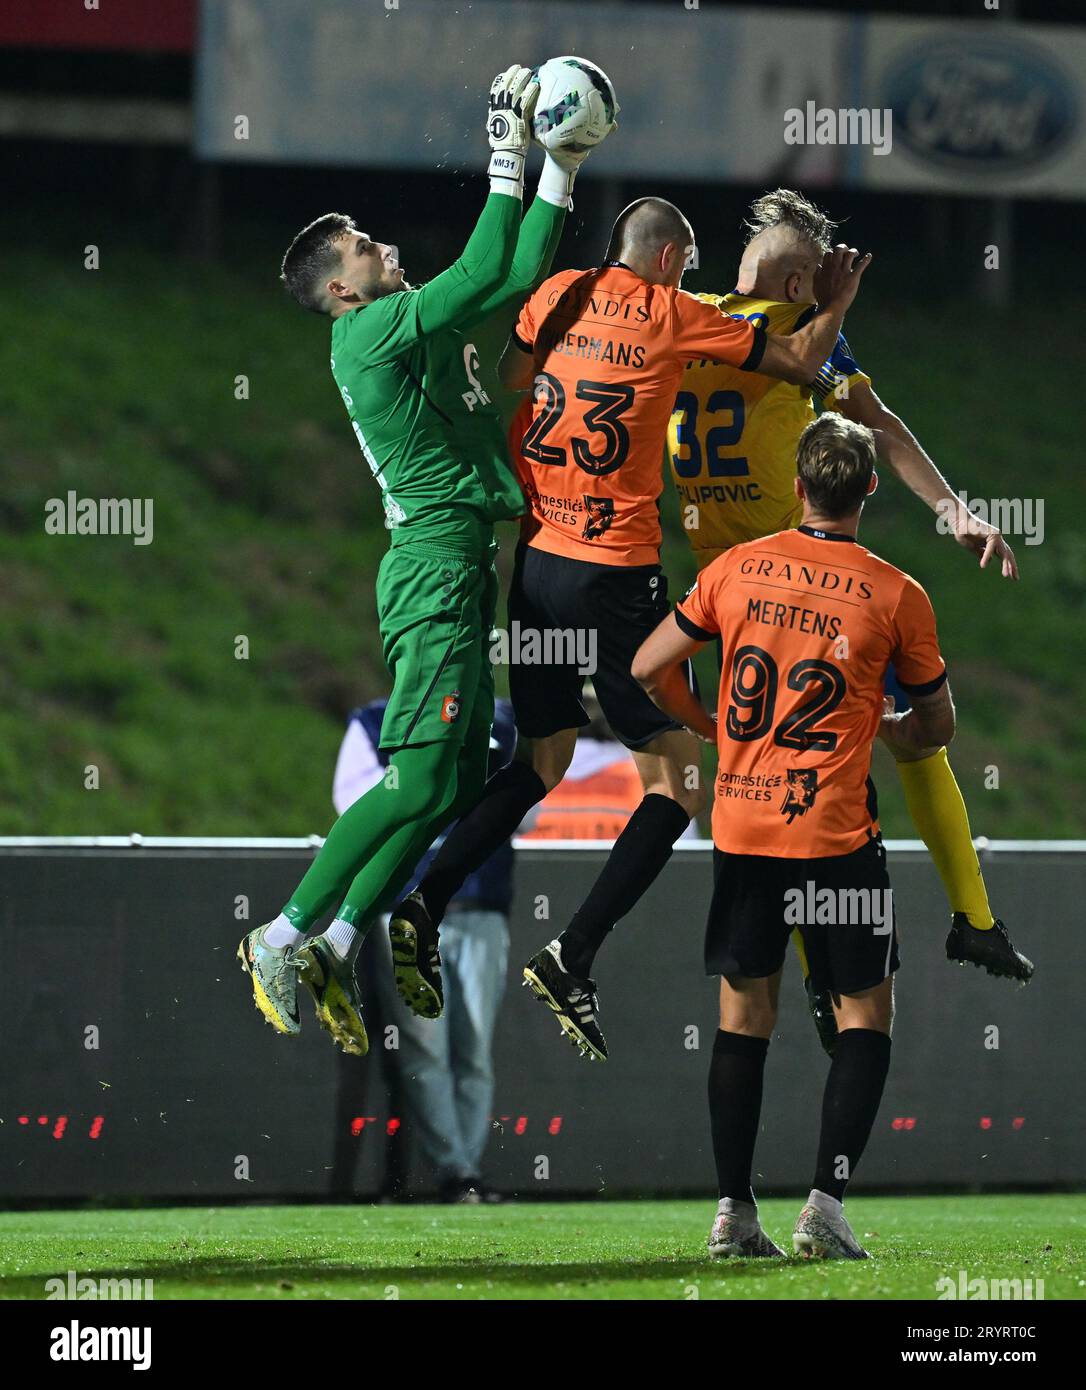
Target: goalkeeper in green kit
{"x": 409, "y": 376}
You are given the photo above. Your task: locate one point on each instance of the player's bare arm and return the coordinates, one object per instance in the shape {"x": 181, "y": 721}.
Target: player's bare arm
{"x": 900, "y": 448}
{"x": 922, "y": 730}
{"x": 797, "y": 357}
{"x": 658, "y": 667}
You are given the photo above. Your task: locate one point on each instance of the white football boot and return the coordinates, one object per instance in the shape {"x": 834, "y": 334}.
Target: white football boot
{"x": 738, "y": 1232}
{"x": 823, "y": 1233}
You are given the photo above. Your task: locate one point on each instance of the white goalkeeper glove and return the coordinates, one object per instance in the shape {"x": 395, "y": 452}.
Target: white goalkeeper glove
{"x": 560, "y": 169}
{"x": 513, "y": 96}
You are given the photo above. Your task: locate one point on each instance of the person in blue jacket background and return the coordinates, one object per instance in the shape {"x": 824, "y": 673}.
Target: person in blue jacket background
{"x": 445, "y": 1065}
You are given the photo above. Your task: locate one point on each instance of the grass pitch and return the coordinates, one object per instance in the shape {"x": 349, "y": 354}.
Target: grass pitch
{"x": 583, "y": 1250}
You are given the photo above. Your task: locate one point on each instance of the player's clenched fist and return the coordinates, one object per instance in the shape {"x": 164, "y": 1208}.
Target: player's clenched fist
{"x": 509, "y": 126}
{"x": 838, "y": 277}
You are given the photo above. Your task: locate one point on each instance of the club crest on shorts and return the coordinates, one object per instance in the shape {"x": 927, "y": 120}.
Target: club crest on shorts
{"x": 450, "y": 708}
{"x": 800, "y": 792}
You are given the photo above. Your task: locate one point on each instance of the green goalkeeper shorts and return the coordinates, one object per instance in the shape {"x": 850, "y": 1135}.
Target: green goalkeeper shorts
{"x": 436, "y": 614}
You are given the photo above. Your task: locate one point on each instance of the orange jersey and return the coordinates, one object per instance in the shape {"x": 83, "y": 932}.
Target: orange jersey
{"x": 609, "y": 351}
{"x": 809, "y": 622}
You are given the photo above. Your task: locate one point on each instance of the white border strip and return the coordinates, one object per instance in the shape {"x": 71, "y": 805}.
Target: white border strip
{"x": 190, "y": 842}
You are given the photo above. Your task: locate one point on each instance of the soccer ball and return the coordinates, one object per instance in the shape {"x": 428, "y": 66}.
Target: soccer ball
{"x": 576, "y": 106}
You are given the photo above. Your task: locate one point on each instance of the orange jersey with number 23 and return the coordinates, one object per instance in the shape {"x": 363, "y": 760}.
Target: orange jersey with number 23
{"x": 609, "y": 350}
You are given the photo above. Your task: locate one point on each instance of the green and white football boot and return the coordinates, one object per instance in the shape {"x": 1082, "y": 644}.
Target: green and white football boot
{"x": 330, "y": 980}
{"x": 274, "y": 973}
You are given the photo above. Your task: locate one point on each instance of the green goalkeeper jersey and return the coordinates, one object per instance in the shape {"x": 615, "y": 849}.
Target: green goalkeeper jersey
{"x": 410, "y": 376}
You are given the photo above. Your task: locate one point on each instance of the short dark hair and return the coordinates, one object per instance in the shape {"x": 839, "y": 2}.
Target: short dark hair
{"x": 313, "y": 257}
{"x": 645, "y": 226}
{"x": 835, "y": 460}
{"x": 784, "y": 207}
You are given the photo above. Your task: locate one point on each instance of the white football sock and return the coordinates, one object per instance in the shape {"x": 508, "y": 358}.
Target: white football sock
{"x": 823, "y": 1202}
{"x": 282, "y": 933}
{"x": 341, "y": 936}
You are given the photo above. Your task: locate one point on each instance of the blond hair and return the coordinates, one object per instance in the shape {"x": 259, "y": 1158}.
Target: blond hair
{"x": 784, "y": 207}
{"x": 835, "y": 460}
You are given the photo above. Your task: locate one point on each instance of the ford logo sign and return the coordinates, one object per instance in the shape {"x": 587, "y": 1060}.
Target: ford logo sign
{"x": 980, "y": 104}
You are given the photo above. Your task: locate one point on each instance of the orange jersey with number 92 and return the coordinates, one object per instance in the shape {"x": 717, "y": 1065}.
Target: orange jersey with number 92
{"x": 609, "y": 350}
{"x": 808, "y": 623}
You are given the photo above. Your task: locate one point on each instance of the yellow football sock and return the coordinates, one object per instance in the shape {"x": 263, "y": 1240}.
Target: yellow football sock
{"x": 938, "y": 812}
{"x": 797, "y": 942}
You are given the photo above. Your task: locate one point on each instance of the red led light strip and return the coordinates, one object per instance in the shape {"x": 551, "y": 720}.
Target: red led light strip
{"x": 985, "y": 1122}
{"x": 392, "y": 1125}
{"x": 60, "y": 1125}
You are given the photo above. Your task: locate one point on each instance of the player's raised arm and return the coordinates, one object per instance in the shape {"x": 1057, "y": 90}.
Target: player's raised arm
{"x": 905, "y": 455}
{"x": 898, "y": 447}
{"x": 459, "y": 295}
{"x": 541, "y": 230}
{"x": 461, "y": 292}
{"x": 540, "y": 233}
{"x": 797, "y": 357}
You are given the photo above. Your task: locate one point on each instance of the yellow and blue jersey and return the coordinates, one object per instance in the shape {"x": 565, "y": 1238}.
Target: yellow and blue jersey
{"x": 731, "y": 441}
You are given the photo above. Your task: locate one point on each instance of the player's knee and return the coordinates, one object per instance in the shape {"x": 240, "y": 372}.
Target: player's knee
{"x": 424, "y": 782}
{"x": 752, "y": 1015}
{"x": 551, "y": 757}
{"x": 692, "y": 798}
{"x": 550, "y": 776}
{"x": 687, "y": 793}
{"x": 755, "y": 1023}
{"x": 874, "y": 1012}
{"x": 867, "y": 1024}
{"x": 412, "y": 806}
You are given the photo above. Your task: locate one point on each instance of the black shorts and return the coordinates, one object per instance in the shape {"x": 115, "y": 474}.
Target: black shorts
{"x": 849, "y": 934}
{"x": 607, "y": 612}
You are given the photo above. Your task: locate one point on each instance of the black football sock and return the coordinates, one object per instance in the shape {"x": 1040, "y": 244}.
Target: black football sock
{"x": 850, "y": 1103}
{"x": 507, "y": 798}
{"x": 635, "y": 861}
{"x": 735, "y": 1106}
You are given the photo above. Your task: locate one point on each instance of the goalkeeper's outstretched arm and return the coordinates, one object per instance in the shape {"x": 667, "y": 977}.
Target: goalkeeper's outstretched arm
{"x": 540, "y": 233}
{"x": 460, "y": 294}
{"x": 541, "y": 230}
